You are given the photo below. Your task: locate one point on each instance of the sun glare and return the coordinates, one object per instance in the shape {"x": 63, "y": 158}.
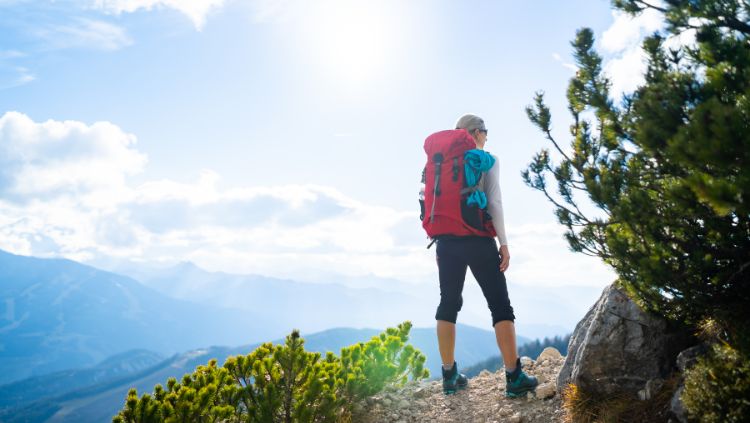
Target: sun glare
{"x": 349, "y": 40}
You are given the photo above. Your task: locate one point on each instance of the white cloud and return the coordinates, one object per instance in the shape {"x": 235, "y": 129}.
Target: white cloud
{"x": 196, "y": 10}
{"x": 11, "y": 54}
{"x": 273, "y": 10}
{"x": 64, "y": 191}
{"x": 626, "y": 71}
{"x": 565, "y": 64}
{"x": 621, "y": 44}
{"x": 24, "y": 75}
{"x": 627, "y": 32}
{"x": 85, "y": 33}
{"x": 14, "y": 76}
{"x": 541, "y": 256}
{"x": 59, "y": 158}
{"x": 625, "y": 61}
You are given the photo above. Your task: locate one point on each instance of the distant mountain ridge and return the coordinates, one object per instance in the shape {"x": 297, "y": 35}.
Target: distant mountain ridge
{"x": 120, "y": 365}
{"x": 57, "y": 314}
{"x": 310, "y": 307}
{"x": 361, "y": 302}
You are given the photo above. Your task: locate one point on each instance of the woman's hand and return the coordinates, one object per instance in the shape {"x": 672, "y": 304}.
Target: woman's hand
{"x": 504, "y": 258}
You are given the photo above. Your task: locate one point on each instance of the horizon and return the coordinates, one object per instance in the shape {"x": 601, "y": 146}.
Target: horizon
{"x": 570, "y": 302}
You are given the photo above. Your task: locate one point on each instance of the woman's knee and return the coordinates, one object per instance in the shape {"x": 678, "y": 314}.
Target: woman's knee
{"x": 448, "y": 309}
{"x": 501, "y": 313}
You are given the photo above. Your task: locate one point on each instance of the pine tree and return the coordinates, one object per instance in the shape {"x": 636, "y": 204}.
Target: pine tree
{"x": 285, "y": 383}
{"x": 668, "y": 168}
{"x": 669, "y": 171}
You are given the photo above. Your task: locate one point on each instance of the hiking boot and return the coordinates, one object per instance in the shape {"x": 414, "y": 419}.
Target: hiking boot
{"x": 453, "y": 380}
{"x": 518, "y": 383}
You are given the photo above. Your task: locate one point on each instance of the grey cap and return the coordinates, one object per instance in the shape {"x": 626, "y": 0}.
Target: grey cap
{"x": 470, "y": 123}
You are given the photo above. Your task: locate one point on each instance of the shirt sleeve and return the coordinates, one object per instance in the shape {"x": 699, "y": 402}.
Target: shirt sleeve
{"x": 495, "y": 202}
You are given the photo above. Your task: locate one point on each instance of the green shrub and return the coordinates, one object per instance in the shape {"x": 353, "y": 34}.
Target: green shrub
{"x": 282, "y": 383}
{"x": 366, "y": 368}
{"x": 717, "y": 388}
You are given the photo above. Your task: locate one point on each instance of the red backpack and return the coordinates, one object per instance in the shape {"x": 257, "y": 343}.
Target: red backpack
{"x": 444, "y": 209}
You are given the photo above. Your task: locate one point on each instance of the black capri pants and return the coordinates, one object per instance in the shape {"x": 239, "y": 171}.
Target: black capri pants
{"x": 480, "y": 254}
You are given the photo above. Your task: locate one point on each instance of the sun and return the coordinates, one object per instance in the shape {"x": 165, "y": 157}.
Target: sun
{"x": 349, "y": 40}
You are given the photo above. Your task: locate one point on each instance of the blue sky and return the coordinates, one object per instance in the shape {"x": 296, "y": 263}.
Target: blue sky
{"x": 279, "y": 137}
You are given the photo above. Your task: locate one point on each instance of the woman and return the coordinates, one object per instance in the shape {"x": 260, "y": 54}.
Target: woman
{"x": 480, "y": 254}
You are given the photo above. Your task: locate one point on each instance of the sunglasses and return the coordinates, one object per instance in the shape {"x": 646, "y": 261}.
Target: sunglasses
{"x": 483, "y": 131}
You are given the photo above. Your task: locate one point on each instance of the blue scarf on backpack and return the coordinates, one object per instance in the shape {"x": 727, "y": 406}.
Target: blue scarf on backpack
{"x": 475, "y": 163}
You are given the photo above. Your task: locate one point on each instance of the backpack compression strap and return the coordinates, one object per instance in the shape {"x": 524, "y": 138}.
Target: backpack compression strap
{"x": 438, "y": 159}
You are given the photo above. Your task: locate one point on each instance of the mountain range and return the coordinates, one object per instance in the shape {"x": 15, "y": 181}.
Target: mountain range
{"x": 58, "y": 314}
{"x": 310, "y": 307}
{"x": 371, "y": 301}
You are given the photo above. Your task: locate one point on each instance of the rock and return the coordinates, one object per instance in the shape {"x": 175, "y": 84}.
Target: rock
{"x": 516, "y": 418}
{"x": 386, "y": 402}
{"x": 484, "y": 373}
{"x": 687, "y": 358}
{"x": 403, "y": 404}
{"x": 545, "y": 390}
{"x": 549, "y": 353}
{"x": 651, "y": 388}
{"x": 527, "y": 361}
{"x": 618, "y": 348}
{"x": 677, "y": 407}
{"x": 421, "y": 392}
{"x": 358, "y": 408}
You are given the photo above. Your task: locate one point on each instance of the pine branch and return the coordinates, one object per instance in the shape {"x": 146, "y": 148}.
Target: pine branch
{"x": 557, "y": 147}
{"x": 647, "y": 5}
{"x": 578, "y": 214}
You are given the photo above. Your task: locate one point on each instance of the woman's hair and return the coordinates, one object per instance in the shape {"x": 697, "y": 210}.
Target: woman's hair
{"x": 470, "y": 123}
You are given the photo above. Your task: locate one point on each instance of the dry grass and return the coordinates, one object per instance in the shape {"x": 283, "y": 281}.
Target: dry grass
{"x": 584, "y": 407}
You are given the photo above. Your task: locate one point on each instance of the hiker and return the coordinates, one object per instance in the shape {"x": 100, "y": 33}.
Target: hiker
{"x": 462, "y": 212}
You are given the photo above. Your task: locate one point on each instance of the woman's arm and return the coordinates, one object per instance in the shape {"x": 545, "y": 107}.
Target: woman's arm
{"x": 495, "y": 202}
{"x": 495, "y": 209}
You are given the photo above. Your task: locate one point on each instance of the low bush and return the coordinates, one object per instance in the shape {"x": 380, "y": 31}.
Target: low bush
{"x": 282, "y": 383}
{"x": 717, "y": 388}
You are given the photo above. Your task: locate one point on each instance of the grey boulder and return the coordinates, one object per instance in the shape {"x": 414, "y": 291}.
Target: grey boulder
{"x": 619, "y": 348}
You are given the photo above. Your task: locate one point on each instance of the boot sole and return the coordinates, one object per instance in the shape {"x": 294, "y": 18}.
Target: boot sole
{"x": 453, "y": 391}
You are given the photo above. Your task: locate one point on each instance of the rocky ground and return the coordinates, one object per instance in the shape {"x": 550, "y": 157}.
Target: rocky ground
{"x": 483, "y": 401}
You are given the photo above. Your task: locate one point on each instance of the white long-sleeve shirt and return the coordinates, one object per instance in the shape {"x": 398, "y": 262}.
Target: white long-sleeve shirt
{"x": 495, "y": 201}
